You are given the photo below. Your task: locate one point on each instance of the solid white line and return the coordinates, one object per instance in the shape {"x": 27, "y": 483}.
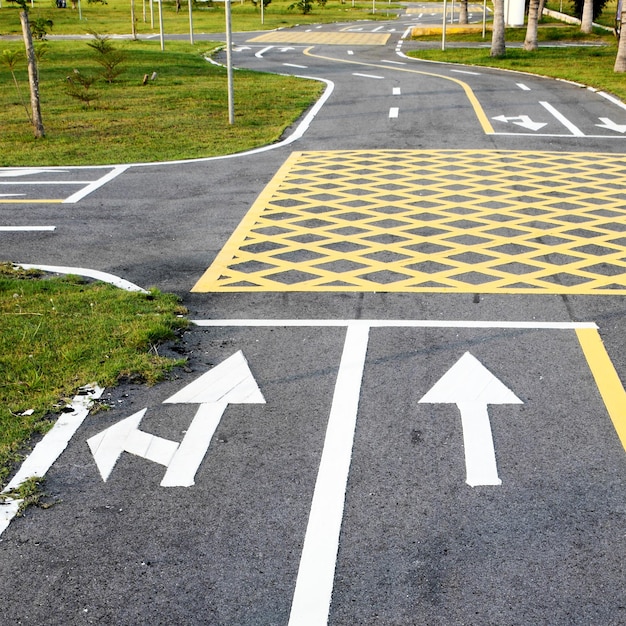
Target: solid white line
{"x": 561, "y": 118}
{"x": 48, "y": 450}
{"x": 302, "y": 67}
{"x": 17, "y": 229}
{"x": 96, "y": 184}
{"x": 320, "y": 323}
{"x": 366, "y": 75}
{"x": 104, "y": 277}
{"x": 393, "y": 62}
{"x": 523, "y": 87}
{"x": 466, "y": 72}
{"x": 393, "y": 112}
{"x": 314, "y": 584}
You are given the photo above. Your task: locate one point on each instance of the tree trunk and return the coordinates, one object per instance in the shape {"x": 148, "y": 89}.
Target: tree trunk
{"x": 586, "y": 24}
{"x": 530, "y": 43}
{"x": 498, "y": 47}
{"x": 133, "y": 21}
{"x": 620, "y": 60}
{"x": 463, "y": 12}
{"x": 32, "y": 76}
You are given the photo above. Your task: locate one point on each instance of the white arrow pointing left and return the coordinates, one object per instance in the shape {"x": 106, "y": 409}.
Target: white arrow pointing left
{"x": 521, "y": 120}
{"x": 471, "y": 386}
{"x": 125, "y": 436}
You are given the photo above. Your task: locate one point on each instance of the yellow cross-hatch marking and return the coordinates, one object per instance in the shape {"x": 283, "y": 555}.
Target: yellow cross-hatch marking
{"x": 334, "y": 38}
{"x": 477, "y": 221}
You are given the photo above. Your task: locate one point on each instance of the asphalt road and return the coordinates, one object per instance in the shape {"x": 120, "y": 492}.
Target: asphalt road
{"x": 424, "y": 426}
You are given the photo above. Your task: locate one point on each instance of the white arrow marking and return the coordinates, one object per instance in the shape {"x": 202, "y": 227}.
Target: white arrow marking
{"x": 611, "y": 125}
{"x": 285, "y": 49}
{"x": 471, "y": 386}
{"x": 521, "y": 120}
{"x": 125, "y": 436}
{"x": 230, "y": 382}
{"x": 260, "y": 53}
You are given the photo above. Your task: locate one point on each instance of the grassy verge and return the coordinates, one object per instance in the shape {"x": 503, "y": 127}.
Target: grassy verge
{"x": 58, "y": 334}
{"x": 208, "y": 16}
{"x": 181, "y": 114}
{"x": 589, "y": 65}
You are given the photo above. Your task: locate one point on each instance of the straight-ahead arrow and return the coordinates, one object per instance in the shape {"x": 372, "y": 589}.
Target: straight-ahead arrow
{"x": 471, "y": 386}
{"x": 611, "y": 125}
{"x": 521, "y": 120}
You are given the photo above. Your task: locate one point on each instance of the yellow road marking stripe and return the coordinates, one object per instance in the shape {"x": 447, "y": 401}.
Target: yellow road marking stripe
{"x": 607, "y": 380}
{"x": 478, "y": 109}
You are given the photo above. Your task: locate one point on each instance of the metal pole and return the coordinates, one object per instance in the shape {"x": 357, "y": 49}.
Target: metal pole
{"x": 484, "y": 17}
{"x": 160, "y": 3}
{"x": 190, "y": 24}
{"x": 443, "y": 28}
{"x": 229, "y": 65}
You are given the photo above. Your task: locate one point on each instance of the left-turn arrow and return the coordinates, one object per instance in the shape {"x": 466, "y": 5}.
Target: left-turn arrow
{"x": 125, "y": 436}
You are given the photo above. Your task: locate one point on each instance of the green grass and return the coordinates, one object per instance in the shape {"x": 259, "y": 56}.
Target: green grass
{"x": 592, "y": 66}
{"x": 59, "y": 334}
{"x": 181, "y": 114}
{"x": 208, "y": 17}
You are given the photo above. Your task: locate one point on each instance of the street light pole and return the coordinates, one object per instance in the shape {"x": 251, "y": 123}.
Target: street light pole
{"x": 229, "y": 65}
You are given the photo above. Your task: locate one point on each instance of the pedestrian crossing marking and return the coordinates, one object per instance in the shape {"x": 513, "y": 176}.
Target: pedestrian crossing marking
{"x": 473, "y": 221}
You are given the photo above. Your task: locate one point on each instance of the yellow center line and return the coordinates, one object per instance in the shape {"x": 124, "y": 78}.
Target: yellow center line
{"x": 478, "y": 109}
{"x": 607, "y": 380}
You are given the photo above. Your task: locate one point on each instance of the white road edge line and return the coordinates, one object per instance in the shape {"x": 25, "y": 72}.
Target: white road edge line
{"x": 367, "y": 75}
{"x": 561, "y": 118}
{"x": 104, "y": 277}
{"x": 319, "y": 323}
{"x": 314, "y": 584}
{"x": 48, "y": 450}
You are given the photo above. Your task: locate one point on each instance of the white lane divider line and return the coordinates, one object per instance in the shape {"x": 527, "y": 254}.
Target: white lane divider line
{"x": 18, "y": 229}
{"x": 523, "y": 87}
{"x": 96, "y": 184}
{"x": 393, "y": 112}
{"x": 396, "y": 91}
{"x": 314, "y": 584}
{"x": 561, "y": 118}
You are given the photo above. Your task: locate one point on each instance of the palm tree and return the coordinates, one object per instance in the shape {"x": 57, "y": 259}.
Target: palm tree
{"x": 586, "y": 23}
{"x": 530, "y": 43}
{"x": 498, "y": 48}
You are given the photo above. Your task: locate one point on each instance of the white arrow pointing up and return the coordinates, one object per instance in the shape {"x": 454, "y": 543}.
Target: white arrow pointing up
{"x": 472, "y": 387}
{"x": 521, "y": 120}
{"x": 230, "y": 382}
{"x": 611, "y": 125}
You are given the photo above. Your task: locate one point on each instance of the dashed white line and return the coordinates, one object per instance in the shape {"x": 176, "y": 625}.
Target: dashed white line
{"x": 367, "y": 75}
{"x": 394, "y": 112}
{"x": 523, "y": 87}
{"x": 302, "y": 67}
{"x": 20, "y": 229}
{"x": 396, "y": 91}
